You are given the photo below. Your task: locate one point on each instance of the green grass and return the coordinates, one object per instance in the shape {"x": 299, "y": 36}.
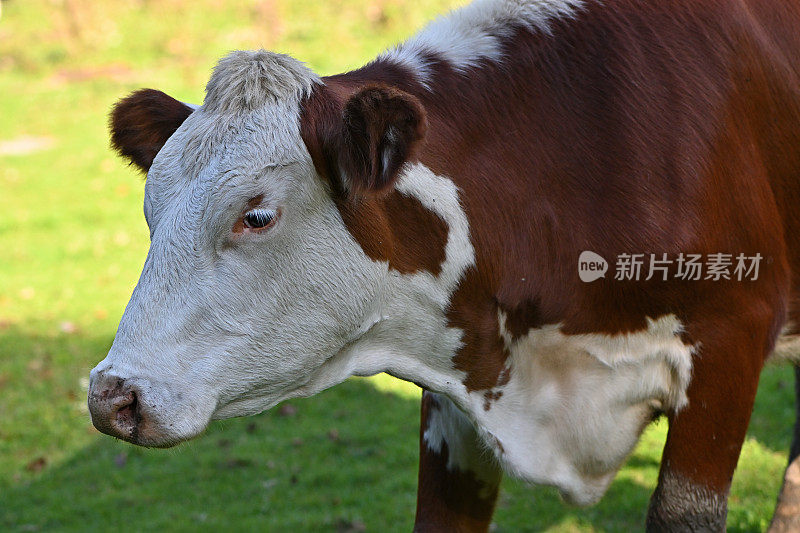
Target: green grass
{"x": 72, "y": 240}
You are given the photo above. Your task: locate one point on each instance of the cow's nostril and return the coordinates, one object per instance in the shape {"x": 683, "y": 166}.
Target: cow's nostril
{"x": 126, "y": 415}
{"x": 126, "y": 411}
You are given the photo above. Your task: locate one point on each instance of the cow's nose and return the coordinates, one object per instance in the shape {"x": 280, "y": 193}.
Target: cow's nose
{"x": 114, "y": 406}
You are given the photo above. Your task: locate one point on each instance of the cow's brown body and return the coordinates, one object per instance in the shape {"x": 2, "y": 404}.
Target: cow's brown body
{"x": 636, "y": 127}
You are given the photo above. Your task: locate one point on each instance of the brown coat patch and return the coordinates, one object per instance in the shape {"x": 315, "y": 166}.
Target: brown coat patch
{"x": 398, "y": 229}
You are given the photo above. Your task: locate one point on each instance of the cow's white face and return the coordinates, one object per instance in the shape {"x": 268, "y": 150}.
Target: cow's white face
{"x": 227, "y": 320}
{"x": 251, "y": 284}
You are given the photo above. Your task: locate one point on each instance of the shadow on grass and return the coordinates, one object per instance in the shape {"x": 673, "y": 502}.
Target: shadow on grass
{"x": 345, "y": 460}
{"x": 329, "y": 462}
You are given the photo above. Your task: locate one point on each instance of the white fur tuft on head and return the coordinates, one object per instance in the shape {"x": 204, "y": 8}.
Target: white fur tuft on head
{"x": 247, "y": 80}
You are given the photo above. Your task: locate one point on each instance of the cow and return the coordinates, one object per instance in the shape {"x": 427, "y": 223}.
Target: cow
{"x": 425, "y": 216}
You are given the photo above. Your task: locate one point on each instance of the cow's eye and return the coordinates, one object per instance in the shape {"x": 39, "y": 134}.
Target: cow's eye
{"x": 259, "y": 218}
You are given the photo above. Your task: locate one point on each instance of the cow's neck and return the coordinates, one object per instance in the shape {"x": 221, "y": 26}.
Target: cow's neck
{"x": 421, "y": 233}
{"x": 530, "y": 392}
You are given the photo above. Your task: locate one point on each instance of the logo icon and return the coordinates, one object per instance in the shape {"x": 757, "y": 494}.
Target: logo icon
{"x": 591, "y": 266}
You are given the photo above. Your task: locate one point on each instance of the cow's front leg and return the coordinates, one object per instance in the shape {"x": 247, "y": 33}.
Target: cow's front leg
{"x": 706, "y": 436}
{"x": 458, "y": 475}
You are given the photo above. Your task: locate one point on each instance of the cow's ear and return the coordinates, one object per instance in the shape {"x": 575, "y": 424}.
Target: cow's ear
{"x": 382, "y": 127}
{"x": 359, "y": 142}
{"x": 142, "y": 122}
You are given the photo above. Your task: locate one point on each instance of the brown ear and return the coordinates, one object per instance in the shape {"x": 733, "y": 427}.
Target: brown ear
{"x": 362, "y": 145}
{"x": 142, "y": 122}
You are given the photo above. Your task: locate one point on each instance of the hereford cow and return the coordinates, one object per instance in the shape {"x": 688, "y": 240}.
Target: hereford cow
{"x": 441, "y": 214}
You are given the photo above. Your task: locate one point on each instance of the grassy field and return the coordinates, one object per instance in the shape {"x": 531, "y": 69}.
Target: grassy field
{"x": 72, "y": 240}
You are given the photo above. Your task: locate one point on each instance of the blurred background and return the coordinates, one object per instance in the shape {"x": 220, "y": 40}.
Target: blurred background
{"x": 72, "y": 242}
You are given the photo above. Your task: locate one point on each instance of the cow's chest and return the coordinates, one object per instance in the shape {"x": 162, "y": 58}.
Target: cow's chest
{"x": 575, "y": 405}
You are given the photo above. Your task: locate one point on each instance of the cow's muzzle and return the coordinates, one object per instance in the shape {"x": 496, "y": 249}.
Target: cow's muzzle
{"x": 115, "y": 407}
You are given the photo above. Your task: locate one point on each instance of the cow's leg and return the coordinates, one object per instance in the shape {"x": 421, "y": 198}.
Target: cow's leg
{"x": 706, "y": 436}
{"x": 787, "y": 512}
{"x": 458, "y": 475}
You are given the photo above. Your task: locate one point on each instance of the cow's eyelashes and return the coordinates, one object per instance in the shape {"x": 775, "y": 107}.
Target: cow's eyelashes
{"x": 259, "y": 218}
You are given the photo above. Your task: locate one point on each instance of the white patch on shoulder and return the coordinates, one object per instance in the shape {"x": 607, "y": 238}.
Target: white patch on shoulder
{"x": 440, "y": 195}
{"x": 575, "y": 405}
{"x": 475, "y": 32}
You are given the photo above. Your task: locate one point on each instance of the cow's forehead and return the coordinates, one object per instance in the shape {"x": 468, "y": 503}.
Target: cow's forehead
{"x": 243, "y": 142}
{"x": 249, "y": 120}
